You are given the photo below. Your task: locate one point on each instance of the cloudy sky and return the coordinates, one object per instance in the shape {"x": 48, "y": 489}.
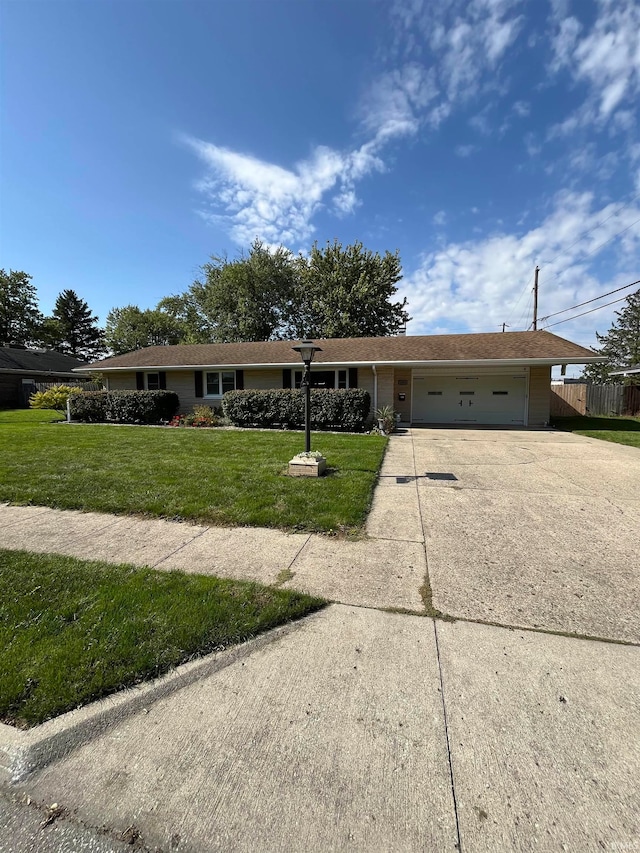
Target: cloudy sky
{"x": 477, "y": 137}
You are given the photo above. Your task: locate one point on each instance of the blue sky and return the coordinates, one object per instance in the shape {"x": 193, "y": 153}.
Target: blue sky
{"x": 478, "y": 138}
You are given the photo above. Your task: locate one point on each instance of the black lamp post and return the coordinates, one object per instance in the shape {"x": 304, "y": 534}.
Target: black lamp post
{"x": 307, "y": 350}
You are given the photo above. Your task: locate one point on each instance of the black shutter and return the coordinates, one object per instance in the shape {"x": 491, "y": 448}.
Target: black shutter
{"x": 139, "y": 380}
{"x": 286, "y": 377}
{"x": 353, "y": 377}
{"x": 162, "y": 380}
{"x": 198, "y": 378}
{"x": 239, "y": 380}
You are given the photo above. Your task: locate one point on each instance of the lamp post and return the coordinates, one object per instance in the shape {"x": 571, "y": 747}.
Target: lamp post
{"x": 307, "y": 350}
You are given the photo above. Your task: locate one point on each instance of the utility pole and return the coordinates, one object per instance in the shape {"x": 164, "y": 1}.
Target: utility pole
{"x": 535, "y": 300}
{"x": 505, "y": 326}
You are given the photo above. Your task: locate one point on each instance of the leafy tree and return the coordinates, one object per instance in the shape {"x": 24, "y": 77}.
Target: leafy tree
{"x": 248, "y": 299}
{"x": 72, "y": 328}
{"x": 620, "y": 345}
{"x": 346, "y": 293}
{"x": 20, "y": 319}
{"x": 130, "y": 328}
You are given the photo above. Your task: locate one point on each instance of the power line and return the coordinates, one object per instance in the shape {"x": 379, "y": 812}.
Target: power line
{"x": 590, "y": 311}
{"x": 595, "y": 299}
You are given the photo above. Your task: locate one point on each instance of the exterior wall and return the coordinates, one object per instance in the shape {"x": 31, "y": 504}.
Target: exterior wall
{"x": 121, "y": 381}
{"x": 10, "y": 390}
{"x": 385, "y": 387}
{"x": 263, "y": 380}
{"x": 402, "y": 385}
{"x": 539, "y": 396}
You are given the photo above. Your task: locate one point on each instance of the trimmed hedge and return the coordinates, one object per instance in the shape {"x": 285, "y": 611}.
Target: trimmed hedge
{"x": 330, "y": 409}
{"x": 124, "y": 407}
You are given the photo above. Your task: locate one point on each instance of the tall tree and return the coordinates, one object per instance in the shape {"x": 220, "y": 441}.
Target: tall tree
{"x": 620, "y": 345}
{"x": 20, "y": 319}
{"x": 72, "y": 328}
{"x": 130, "y": 328}
{"x": 248, "y": 299}
{"x": 346, "y": 293}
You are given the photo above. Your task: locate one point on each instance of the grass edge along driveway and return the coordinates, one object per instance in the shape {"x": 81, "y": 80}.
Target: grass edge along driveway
{"x": 72, "y": 631}
{"x": 618, "y": 429}
{"x": 220, "y": 477}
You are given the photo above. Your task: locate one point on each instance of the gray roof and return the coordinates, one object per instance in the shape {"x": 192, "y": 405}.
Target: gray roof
{"x": 37, "y": 361}
{"x": 633, "y": 368}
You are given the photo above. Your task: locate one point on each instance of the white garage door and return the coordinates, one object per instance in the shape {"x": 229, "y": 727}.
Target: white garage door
{"x": 494, "y": 399}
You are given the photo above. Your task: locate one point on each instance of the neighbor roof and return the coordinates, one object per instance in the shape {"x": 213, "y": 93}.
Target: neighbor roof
{"x": 634, "y": 368}
{"x": 37, "y": 361}
{"x": 534, "y": 347}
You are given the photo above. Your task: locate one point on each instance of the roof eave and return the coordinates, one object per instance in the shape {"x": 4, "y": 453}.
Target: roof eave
{"x": 483, "y": 362}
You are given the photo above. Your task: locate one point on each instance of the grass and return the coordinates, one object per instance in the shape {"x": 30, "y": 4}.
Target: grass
{"x": 621, "y": 430}
{"x": 222, "y": 477}
{"x": 72, "y": 630}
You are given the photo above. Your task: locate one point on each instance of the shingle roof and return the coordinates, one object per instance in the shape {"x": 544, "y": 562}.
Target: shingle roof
{"x": 633, "y": 368}
{"x": 42, "y": 361}
{"x": 499, "y": 346}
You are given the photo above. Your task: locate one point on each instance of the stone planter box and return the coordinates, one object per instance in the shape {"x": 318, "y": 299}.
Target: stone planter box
{"x": 305, "y": 467}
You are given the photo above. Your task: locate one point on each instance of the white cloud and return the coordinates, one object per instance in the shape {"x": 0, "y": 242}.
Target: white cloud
{"x": 440, "y": 218}
{"x": 253, "y": 198}
{"x": 480, "y": 284}
{"x": 606, "y": 59}
{"x": 465, "y": 150}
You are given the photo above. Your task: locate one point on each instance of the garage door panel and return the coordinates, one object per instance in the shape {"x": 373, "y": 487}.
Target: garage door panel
{"x": 493, "y": 399}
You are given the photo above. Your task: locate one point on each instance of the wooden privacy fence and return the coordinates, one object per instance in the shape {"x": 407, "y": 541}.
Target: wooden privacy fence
{"x": 583, "y": 399}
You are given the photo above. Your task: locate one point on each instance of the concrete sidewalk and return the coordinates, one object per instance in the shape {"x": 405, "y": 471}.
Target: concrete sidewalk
{"x": 369, "y": 730}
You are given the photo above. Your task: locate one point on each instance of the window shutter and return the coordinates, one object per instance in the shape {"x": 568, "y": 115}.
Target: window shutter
{"x": 353, "y": 377}
{"x": 239, "y": 380}
{"x": 286, "y": 377}
{"x": 162, "y": 380}
{"x": 198, "y": 379}
{"x": 139, "y": 380}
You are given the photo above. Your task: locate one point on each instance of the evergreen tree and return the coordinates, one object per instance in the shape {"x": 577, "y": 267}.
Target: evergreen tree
{"x": 72, "y": 328}
{"x": 620, "y": 345}
{"x": 20, "y": 319}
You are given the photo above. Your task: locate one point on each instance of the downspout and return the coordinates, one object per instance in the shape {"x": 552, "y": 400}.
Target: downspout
{"x": 375, "y": 388}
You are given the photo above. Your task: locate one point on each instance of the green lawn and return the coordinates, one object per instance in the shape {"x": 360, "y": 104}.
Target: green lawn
{"x": 622, "y": 430}
{"x": 223, "y": 477}
{"x": 72, "y": 630}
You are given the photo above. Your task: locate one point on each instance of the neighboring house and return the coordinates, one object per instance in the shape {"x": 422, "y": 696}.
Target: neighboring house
{"x": 21, "y": 369}
{"x": 634, "y": 371}
{"x": 498, "y": 378}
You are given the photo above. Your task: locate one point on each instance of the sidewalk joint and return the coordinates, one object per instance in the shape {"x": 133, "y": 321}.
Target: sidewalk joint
{"x": 446, "y": 733}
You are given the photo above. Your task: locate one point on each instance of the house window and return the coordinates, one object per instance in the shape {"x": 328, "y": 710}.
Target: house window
{"x": 325, "y": 378}
{"x": 153, "y": 381}
{"x": 219, "y": 382}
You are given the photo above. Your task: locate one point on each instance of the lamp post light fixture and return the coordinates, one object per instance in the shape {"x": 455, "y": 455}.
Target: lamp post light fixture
{"x": 307, "y": 350}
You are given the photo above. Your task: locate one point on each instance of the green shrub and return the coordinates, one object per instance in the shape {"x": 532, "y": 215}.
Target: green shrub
{"x": 53, "y": 398}
{"x": 124, "y": 407}
{"x": 330, "y": 409}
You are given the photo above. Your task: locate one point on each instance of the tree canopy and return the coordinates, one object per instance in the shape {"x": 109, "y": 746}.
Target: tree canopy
{"x": 131, "y": 328}
{"x": 620, "y": 345}
{"x": 72, "y": 328}
{"x": 271, "y": 295}
{"x": 20, "y": 319}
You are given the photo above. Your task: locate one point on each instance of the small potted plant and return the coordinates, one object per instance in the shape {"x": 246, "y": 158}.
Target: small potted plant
{"x": 386, "y": 419}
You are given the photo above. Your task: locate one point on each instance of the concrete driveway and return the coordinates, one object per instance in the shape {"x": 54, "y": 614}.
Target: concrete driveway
{"x": 532, "y": 529}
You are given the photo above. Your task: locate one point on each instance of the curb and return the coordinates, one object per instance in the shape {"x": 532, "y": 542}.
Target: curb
{"x": 23, "y": 752}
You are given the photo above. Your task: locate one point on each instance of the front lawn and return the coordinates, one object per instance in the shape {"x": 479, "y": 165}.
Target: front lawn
{"x": 72, "y": 630}
{"x": 222, "y": 477}
{"x": 621, "y": 430}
